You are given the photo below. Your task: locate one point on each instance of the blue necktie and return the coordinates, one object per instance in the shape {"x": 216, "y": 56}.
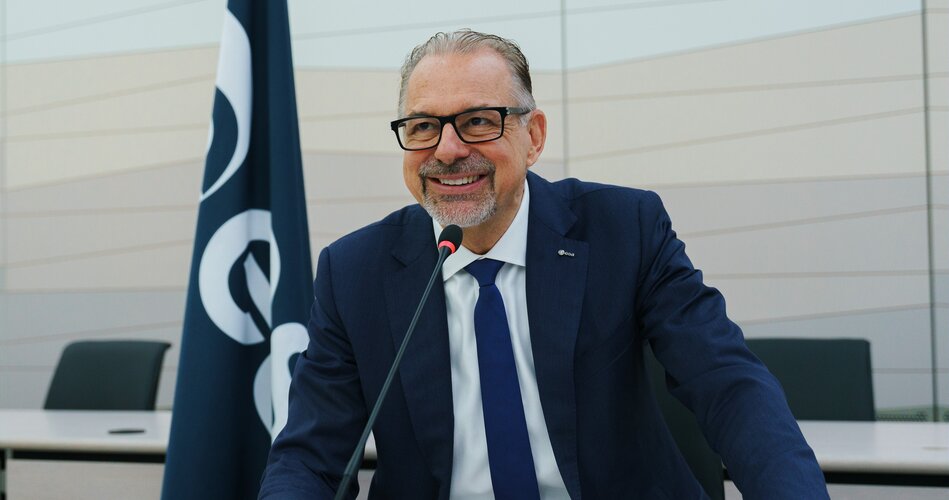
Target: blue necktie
{"x": 509, "y": 448}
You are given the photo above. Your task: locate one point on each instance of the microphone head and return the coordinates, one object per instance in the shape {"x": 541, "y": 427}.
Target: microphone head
{"x": 450, "y": 238}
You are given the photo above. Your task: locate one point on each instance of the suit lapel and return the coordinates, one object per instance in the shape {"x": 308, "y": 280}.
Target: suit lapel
{"x": 425, "y": 372}
{"x": 556, "y": 275}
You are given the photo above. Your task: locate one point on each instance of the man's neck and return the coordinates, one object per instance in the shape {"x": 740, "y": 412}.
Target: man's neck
{"x": 481, "y": 238}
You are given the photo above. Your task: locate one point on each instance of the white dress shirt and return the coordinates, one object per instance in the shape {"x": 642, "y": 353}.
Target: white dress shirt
{"x": 470, "y": 476}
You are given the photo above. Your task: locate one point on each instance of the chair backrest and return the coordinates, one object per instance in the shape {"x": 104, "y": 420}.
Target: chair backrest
{"x": 823, "y": 379}
{"x": 107, "y": 375}
{"x": 706, "y": 465}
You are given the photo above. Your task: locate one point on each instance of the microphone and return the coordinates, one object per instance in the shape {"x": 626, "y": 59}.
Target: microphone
{"x": 448, "y": 242}
{"x": 450, "y": 239}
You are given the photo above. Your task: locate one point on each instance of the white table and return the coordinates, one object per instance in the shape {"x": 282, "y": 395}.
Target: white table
{"x": 60, "y": 454}
{"x": 72, "y": 454}
{"x": 85, "y": 431}
{"x": 40, "y": 444}
{"x": 906, "y": 453}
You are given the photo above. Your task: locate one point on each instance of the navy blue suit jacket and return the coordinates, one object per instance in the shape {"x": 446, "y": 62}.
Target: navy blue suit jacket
{"x": 627, "y": 282}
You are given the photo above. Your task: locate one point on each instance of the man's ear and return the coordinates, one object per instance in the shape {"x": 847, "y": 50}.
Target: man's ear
{"x": 537, "y": 129}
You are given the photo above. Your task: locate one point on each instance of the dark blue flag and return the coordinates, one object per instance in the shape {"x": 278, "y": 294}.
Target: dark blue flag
{"x": 249, "y": 292}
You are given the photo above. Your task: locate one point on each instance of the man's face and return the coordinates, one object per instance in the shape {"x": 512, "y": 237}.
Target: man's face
{"x": 480, "y": 185}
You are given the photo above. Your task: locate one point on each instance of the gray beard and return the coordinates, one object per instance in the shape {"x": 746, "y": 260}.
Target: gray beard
{"x": 446, "y": 209}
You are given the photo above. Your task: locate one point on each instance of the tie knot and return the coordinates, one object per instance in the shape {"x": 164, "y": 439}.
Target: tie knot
{"x": 484, "y": 270}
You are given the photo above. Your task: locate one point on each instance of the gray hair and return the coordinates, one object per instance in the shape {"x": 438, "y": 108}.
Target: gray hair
{"x": 466, "y": 42}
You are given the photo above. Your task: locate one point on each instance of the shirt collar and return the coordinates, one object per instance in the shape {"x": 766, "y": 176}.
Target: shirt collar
{"x": 511, "y": 248}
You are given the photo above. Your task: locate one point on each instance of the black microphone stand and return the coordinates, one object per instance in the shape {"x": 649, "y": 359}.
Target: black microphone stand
{"x": 443, "y": 252}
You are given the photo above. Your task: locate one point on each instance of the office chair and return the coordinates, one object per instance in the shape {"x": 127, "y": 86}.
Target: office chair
{"x": 823, "y": 379}
{"x": 706, "y": 465}
{"x": 107, "y": 375}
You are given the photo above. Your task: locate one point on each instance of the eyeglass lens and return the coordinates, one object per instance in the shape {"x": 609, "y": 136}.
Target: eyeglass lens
{"x": 473, "y": 126}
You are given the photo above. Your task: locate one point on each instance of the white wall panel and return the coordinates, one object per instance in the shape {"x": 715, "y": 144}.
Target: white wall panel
{"x": 334, "y": 177}
{"x": 380, "y": 34}
{"x": 699, "y": 209}
{"x": 899, "y": 338}
{"x": 171, "y": 187}
{"x": 53, "y": 84}
{"x": 879, "y": 49}
{"x": 786, "y": 139}
{"x": 51, "y": 29}
{"x": 161, "y": 107}
{"x": 902, "y": 390}
{"x": 59, "y": 236}
{"x": 55, "y": 160}
{"x": 892, "y": 242}
{"x": 658, "y": 28}
{"x": 863, "y": 147}
{"x": 619, "y": 126}
{"x": 781, "y": 299}
{"x": 158, "y": 266}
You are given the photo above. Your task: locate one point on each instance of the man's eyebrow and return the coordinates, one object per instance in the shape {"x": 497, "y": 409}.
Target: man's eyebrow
{"x": 417, "y": 114}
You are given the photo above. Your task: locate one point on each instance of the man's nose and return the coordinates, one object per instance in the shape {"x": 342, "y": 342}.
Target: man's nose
{"x": 451, "y": 147}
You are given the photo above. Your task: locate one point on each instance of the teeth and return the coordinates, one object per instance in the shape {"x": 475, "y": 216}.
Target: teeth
{"x": 459, "y": 182}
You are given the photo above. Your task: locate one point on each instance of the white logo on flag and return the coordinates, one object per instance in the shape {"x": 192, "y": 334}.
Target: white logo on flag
{"x": 234, "y": 81}
{"x": 227, "y": 245}
{"x": 221, "y": 255}
{"x": 287, "y": 339}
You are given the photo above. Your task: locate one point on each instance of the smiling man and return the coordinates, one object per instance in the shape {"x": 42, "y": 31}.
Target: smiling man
{"x": 525, "y": 377}
{"x": 471, "y": 173}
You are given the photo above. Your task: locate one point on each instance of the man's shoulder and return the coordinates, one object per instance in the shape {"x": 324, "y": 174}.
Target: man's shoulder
{"x": 579, "y": 194}
{"x": 381, "y": 234}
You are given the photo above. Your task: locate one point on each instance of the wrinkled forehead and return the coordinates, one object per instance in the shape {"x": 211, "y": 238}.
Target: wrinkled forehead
{"x": 450, "y": 83}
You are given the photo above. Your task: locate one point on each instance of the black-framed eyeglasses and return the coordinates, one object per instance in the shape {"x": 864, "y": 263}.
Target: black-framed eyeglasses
{"x": 416, "y": 133}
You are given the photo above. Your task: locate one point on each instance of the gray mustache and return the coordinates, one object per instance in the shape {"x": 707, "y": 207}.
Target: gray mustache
{"x": 470, "y": 165}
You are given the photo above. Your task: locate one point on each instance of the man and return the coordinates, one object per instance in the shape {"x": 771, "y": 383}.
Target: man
{"x": 525, "y": 380}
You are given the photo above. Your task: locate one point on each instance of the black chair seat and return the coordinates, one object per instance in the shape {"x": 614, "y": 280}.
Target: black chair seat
{"x": 107, "y": 375}
{"x": 823, "y": 379}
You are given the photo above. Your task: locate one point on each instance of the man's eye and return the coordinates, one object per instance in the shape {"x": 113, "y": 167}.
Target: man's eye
{"x": 479, "y": 121}
{"x": 420, "y": 128}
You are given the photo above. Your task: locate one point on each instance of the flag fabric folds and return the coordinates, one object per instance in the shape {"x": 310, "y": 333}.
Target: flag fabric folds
{"x": 249, "y": 289}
